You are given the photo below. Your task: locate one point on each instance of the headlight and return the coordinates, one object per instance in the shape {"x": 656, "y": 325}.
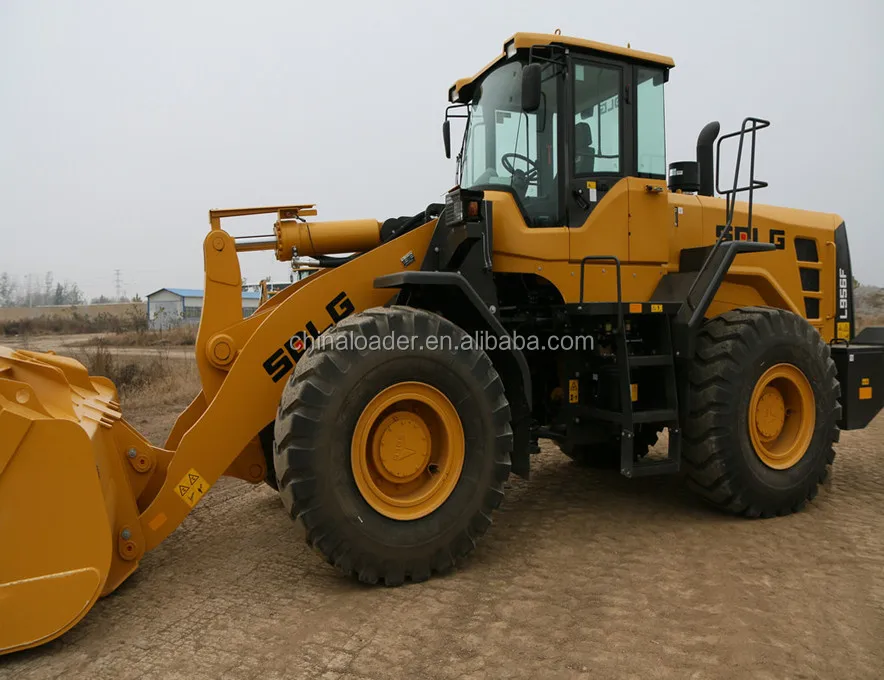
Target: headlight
{"x": 453, "y": 95}
{"x": 510, "y": 49}
{"x": 463, "y": 205}
{"x": 454, "y": 207}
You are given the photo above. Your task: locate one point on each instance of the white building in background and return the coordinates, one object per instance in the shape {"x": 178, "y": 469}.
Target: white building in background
{"x": 170, "y": 307}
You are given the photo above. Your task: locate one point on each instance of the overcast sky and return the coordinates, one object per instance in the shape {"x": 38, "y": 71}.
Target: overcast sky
{"x": 122, "y": 123}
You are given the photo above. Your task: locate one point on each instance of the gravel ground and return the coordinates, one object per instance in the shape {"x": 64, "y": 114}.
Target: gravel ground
{"x": 583, "y": 574}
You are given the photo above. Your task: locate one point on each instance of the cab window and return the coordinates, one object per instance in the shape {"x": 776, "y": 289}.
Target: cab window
{"x": 507, "y": 147}
{"x": 597, "y": 119}
{"x": 651, "y": 133}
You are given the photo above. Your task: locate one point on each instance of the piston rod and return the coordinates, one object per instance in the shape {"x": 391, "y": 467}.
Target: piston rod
{"x": 245, "y": 244}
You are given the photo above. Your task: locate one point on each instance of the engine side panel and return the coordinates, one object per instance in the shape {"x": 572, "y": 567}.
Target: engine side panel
{"x": 648, "y": 228}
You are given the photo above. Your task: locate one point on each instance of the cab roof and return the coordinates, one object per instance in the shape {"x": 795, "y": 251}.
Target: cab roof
{"x": 527, "y": 40}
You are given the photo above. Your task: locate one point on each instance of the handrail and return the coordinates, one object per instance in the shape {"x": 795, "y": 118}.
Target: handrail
{"x": 621, "y": 322}
{"x": 625, "y": 395}
{"x": 750, "y": 125}
{"x": 601, "y": 258}
{"x": 730, "y": 194}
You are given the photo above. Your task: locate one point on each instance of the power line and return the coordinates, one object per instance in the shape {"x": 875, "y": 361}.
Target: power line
{"x": 118, "y": 281}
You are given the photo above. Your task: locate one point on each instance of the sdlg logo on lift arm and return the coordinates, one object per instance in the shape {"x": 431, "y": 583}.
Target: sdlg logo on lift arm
{"x": 284, "y": 359}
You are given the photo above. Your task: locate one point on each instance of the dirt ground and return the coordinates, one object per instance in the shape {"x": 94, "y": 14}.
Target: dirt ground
{"x": 66, "y": 344}
{"x": 584, "y": 574}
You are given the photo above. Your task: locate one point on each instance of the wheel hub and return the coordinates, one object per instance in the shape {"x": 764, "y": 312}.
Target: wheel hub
{"x": 770, "y": 414}
{"x": 407, "y": 450}
{"x": 782, "y": 416}
{"x": 402, "y": 446}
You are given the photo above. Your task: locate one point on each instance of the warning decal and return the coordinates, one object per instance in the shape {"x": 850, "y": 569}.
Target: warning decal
{"x": 192, "y": 487}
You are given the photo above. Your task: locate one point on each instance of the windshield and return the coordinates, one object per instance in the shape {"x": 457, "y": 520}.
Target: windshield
{"x": 506, "y": 147}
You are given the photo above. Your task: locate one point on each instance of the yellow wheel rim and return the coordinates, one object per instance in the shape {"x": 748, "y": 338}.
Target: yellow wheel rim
{"x": 407, "y": 450}
{"x": 782, "y": 416}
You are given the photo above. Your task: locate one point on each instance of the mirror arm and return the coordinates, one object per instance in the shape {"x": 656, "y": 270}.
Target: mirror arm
{"x": 446, "y": 125}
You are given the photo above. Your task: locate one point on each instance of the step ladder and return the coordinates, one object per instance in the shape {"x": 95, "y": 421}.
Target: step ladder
{"x": 662, "y": 415}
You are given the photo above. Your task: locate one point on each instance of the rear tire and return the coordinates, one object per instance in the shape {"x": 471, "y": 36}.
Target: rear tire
{"x": 321, "y": 417}
{"x": 725, "y": 463}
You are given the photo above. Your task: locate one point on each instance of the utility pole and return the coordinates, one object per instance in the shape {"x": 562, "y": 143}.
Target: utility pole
{"x": 118, "y": 280}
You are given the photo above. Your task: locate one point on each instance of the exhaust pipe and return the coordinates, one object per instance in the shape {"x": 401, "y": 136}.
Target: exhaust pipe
{"x": 705, "y": 159}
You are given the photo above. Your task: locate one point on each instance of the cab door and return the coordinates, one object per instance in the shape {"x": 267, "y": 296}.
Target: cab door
{"x": 653, "y": 220}
{"x": 600, "y": 146}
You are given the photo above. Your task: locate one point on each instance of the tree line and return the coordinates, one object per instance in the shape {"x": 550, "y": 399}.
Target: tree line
{"x": 41, "y": 291}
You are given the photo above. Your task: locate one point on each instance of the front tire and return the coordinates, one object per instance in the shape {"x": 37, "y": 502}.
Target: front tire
{"x": 265, "y": 436}
{"x": 393, "y": 459}
{"x": 763, "y": 407}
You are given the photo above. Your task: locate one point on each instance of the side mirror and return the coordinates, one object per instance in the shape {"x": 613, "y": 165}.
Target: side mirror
{"x": 531, "y": 88}
{"x": 446, "y": 137}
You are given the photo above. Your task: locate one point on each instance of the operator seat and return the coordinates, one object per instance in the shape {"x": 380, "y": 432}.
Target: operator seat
{"x": 584, "y": 152}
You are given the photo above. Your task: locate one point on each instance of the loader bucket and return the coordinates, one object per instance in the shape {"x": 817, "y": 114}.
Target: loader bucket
{"x": 64, "y": 492}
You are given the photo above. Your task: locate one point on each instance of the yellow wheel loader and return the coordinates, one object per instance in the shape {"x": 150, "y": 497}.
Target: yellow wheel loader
{"x": 573, "y": 286}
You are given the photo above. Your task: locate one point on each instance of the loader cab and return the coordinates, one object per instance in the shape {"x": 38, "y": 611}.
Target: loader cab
{"x": 594, "y": 115}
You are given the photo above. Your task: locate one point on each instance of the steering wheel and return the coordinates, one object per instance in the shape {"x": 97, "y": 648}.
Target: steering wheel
{"x": 528, "y": 176}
